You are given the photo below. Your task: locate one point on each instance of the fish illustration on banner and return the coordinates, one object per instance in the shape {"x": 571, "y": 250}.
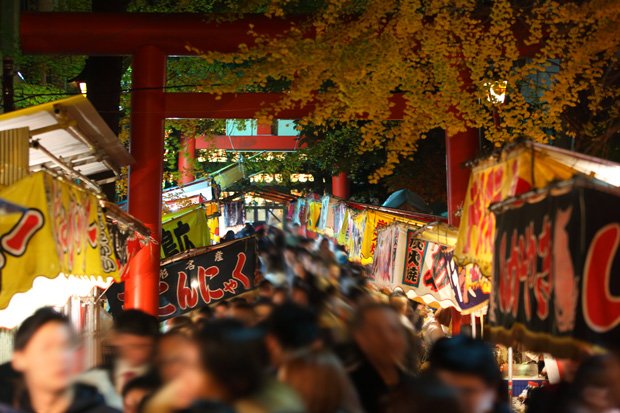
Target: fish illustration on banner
{"x": 555, "y": 261}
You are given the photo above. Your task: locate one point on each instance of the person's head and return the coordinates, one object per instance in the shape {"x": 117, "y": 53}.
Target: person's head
{"x": 134, "y": 337}
{"x": 444, "y": 316}
{"x": 203, "y": 314}
{"x": 244, "y": 312}
{"x": 221, "y": 310}
{"x": 300, "y": 294}
{"x": 229, "y": 236}
{"x": 234, "y": 360}
{"x": 468, "y": 366}
{"x": 424, "y": 395}
{"x": 593, "y": 386}
{"x": 324, "y": 245}
{"x": 280, "y": 295}
{"x": 568, "y": 369}
{"x": 321, "y": 381}
{"x": 265, "y": 289}
{"x": 177, "y": 351}
{"x": 290, "y": 328}
{"x": 359, "y": 297}
{"x": 44, "y": 351}
{"x": 380, "y": 335}
{"x": 136, "y": 390}
{"x": 400, "y": 303}
{"x": 179, "y": 321}
{"x": 262, "y": 309}
{"x": 423, "y": 311}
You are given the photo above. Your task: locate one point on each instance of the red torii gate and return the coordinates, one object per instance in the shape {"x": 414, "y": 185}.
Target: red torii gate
{"x": 150, "y": 39}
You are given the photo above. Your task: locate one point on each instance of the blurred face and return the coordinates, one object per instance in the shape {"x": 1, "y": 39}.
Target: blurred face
{"x": 474, "y": 394}
{"x": 132, "y": 400}
{"x": 263, "y": 311}
{"x": 382, "y": 337}
{"x": 47, "y": 362}
{"x": 324, "y": 246}
{"x": 245, "y": 315}
{"x": 300, "y": 297}
{"x": 221, "y": 311}
{"x": 175, "y": 355}
{"x": 134, "y": 350}
{"x": 279, "y": 298}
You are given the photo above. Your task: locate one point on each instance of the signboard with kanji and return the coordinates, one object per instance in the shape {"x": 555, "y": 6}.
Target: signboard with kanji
{"x": 200, "y": 277}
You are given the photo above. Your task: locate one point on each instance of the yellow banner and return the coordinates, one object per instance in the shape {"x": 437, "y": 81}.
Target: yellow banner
{"x": 516, "y": 172}
{"x": 62, "y": 230}
{"x": 184, "y": 230}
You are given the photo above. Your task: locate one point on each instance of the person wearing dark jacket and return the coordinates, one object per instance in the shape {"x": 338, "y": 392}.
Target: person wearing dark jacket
{"x": 44, "y": 356}
{"x": 468, "y": 367}
{"x": 379, "y": 373}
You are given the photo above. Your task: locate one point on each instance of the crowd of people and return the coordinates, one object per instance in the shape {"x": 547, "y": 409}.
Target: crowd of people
{"x": 313, "y": 337}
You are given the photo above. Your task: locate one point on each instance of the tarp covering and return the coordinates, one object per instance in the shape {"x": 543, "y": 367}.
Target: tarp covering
{"x": 515, "y": 172}
{"x": 63, "y": 230}
{"x": 407, "y": 200}
{"x": 555, "y": 267}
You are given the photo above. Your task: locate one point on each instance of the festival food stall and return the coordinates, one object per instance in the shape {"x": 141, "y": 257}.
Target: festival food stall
{"x": 556, "y": 251}
{"x": 65, "y": 241}
{"x": 525, "y": 168}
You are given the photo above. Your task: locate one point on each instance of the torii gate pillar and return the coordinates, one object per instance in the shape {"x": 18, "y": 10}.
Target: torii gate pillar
{"x": 145, "y": 177}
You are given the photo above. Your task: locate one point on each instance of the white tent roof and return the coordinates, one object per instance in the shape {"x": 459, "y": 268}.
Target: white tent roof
{"x": 601, "y": 169}
{"x": 72, "y": 130}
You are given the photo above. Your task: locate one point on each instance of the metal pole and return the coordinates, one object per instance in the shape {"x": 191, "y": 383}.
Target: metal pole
{"x": 510, "y": 374}
{"x": 473, "y": 325}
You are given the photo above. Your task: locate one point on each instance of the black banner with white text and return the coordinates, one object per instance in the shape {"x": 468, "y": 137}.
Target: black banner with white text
{"x": 557, "y": 265}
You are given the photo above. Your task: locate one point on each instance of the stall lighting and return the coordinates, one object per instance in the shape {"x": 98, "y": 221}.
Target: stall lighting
{"x": 497, "y": 91}
{"x": 46, "y": 292}
{"x": 83, "y": 88}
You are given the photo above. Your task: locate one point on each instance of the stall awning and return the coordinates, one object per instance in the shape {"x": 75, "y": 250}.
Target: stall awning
{"x": 601, "y": 169}
{"x": 72, "y": 131}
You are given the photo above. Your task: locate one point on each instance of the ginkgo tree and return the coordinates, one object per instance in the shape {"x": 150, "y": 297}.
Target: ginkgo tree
{"x": 558, "y": 62}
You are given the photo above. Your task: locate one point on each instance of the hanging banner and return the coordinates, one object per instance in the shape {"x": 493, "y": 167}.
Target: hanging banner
{"x": 126, "y": 242}
{"x": 234, "y": 213}
{"x": 492, "y": 181}
{"x": 184, "y": 231}
{"x": 62, "y": 230}
{"x": 428, "y": 270}
{"x": 314, "y": 214}
{"x": 385, "y": 256}
{"x": 215, "y": 273}
{"x": 471, "y": 289}
{"x": 555, "y": 266}
{"x": 375, "y": 220}
{"x": 325, "y": 212}
{"x": 219, "y": 273}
